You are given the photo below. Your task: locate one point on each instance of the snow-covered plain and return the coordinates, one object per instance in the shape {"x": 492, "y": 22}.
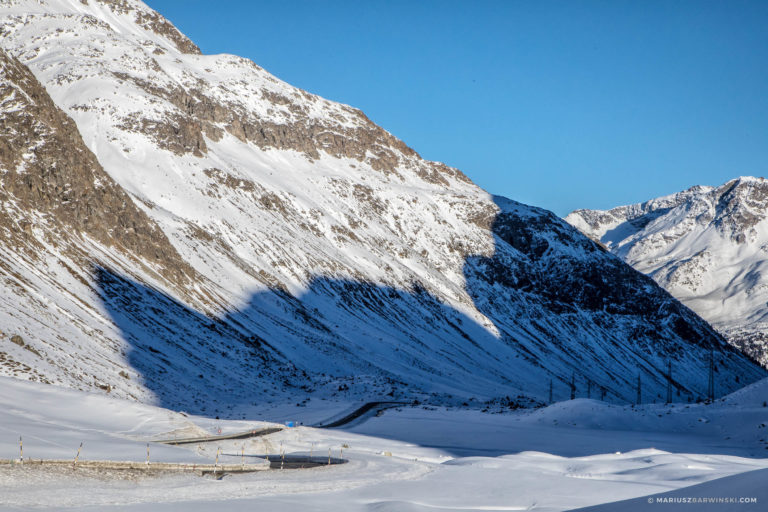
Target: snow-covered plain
{"x": 570, "y": 455}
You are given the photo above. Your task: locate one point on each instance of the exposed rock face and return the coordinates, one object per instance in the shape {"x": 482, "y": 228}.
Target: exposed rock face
{"x": 542, "y": 270}
{"x": 61, "y": 214}
{"x": 150, "y": 20}
{"x": 706, "y": 245}
{"x": 294, "y": 243}
{"x": 197, "y": 115}
{"x": 51, "y": 181}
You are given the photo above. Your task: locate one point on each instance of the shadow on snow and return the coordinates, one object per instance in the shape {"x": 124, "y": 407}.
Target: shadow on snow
{"x": 563, "y": 309}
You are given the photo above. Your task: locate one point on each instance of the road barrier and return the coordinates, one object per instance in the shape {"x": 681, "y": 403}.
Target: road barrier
{"x": 156, "y": 467}
{"x": 207, "y": 439}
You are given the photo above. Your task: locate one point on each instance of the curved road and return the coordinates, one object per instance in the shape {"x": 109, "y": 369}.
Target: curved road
{"x": 357, "y": 413}
{"x": 367, "y": 407}
{"x": 237, "y": 435}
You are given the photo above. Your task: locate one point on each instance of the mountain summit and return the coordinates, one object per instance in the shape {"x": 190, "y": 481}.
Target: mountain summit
{"x": 706, "y": 245}
{"x": 213, "y": 238}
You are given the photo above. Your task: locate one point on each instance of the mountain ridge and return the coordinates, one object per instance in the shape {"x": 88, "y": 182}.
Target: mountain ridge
{"x": 309, "y": 240}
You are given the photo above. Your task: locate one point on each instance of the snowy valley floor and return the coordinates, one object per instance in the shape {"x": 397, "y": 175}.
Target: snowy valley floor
{"x": 571, "y": 455}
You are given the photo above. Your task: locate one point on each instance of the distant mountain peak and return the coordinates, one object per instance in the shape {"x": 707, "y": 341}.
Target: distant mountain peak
{"x": 706, "y": 245}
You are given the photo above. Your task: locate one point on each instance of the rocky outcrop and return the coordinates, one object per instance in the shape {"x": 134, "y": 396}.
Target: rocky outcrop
{"x": 197, "y": 114}
{"x": 51, "y": 181}
{"x": 152, "y": 21}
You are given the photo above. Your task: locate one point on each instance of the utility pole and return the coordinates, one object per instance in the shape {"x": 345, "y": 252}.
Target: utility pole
{"x": 711, "y": 383}
{"x": 550, "y": 391}
{"x": 573, "y": 386}
{"x": 639, "y": 390}
{"x": 669, "y": 381}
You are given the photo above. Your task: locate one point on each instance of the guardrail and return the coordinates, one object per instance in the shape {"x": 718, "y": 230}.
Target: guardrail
{"x": 223, "y": 437}
{"x": 105, "y": 465}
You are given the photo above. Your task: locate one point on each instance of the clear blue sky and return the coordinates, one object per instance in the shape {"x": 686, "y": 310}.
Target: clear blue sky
{"x": 565, "y": 105}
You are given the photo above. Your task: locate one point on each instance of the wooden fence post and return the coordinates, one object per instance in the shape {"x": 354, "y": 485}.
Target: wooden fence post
{"x": 77, "y": 456}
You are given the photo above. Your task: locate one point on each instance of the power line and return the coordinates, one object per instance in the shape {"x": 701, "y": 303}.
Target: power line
{"x": 711, "y": 383}
{"x": 669, "y": 381}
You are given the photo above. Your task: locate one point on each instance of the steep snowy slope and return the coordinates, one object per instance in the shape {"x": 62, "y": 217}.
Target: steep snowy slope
{"x": 707, "y": 246}
{"x": 59, "y": 213}
{"x": 61, "y": 218}
{"x": 310, "y": 251}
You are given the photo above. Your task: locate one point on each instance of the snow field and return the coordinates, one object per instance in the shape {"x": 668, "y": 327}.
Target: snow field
{"x": 569, "y": 455}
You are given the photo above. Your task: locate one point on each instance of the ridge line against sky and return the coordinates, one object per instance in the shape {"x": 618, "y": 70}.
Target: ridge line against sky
{"x": 562, "y": 105}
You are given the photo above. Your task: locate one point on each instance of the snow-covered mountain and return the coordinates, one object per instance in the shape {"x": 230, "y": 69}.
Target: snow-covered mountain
{"x": 189, "y": 230}
{"x": 708, "y": 246}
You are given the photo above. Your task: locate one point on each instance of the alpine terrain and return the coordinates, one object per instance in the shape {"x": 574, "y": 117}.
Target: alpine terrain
{"x": 707, "y": 246}
{"x": 187, "y": 230}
